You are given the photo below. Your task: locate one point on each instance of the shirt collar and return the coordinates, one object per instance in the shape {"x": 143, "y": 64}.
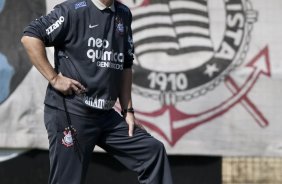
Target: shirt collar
{"x": 101, "y": 6}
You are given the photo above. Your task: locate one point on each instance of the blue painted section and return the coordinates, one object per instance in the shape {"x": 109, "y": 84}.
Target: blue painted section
{"x": 6, "y": 70}
{"x": 2, "y": 3}
{"x": 6, "y": 74}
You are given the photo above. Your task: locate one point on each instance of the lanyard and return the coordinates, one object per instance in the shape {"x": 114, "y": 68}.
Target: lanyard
{"x": 71, "y": 129}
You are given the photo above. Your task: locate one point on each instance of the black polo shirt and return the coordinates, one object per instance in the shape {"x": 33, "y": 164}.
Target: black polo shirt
{"x": 92, "y": 46}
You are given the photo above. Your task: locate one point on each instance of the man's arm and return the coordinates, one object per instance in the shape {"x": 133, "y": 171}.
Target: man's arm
{"x": 35, "y": 49}
{"x": 125, "y": 94}
{"x": 126, "y": 101}
{"x": 125, "y": 98}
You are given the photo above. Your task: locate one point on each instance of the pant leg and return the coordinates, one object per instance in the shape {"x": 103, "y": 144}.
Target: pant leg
{"x": 68, "y": 165}
{"x": 141, "y": 153}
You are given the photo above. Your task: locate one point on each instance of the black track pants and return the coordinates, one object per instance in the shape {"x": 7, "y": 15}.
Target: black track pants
{"x": 141, "y": 153}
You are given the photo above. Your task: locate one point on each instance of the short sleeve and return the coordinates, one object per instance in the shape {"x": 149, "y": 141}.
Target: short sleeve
{"x": 52, "y": 28}
{"x": 129, "y": 48}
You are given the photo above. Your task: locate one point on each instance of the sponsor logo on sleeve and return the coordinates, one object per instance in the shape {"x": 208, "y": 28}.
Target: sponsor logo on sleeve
{"x": 55, "y": 26}
{"x": 131, "y": 46}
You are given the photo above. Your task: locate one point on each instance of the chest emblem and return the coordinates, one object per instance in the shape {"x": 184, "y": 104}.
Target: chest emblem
{"x": 119, "y": 25}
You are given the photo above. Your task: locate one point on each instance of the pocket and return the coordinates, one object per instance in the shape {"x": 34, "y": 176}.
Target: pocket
{"x": 54, "y": 120}
{"x": 67, "y": 68}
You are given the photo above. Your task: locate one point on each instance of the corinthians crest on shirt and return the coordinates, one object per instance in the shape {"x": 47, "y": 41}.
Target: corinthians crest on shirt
{"x": 119, "y": 25}
{"x": 185, "y": 49}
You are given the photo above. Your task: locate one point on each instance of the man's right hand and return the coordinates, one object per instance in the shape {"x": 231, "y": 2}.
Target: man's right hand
{"x": 36, "y": 51}
{"x": 66, "y": 85}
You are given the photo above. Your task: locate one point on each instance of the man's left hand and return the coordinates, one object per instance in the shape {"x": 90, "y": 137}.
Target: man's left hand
{"x": 130, "y": 120}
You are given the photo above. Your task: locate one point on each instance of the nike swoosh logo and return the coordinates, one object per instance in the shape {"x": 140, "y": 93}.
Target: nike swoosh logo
{"x": 93, "y": 26}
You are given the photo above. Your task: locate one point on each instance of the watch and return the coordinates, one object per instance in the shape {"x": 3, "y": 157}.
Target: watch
{"x": 128, "y": 110}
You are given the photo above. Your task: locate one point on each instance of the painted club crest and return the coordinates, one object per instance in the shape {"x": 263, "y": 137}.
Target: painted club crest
{"x": 68, "y": 140}
{"x": 186, "y": 50}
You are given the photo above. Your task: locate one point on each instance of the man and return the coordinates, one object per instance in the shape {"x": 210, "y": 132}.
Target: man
{"x": 93, "y": 59}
